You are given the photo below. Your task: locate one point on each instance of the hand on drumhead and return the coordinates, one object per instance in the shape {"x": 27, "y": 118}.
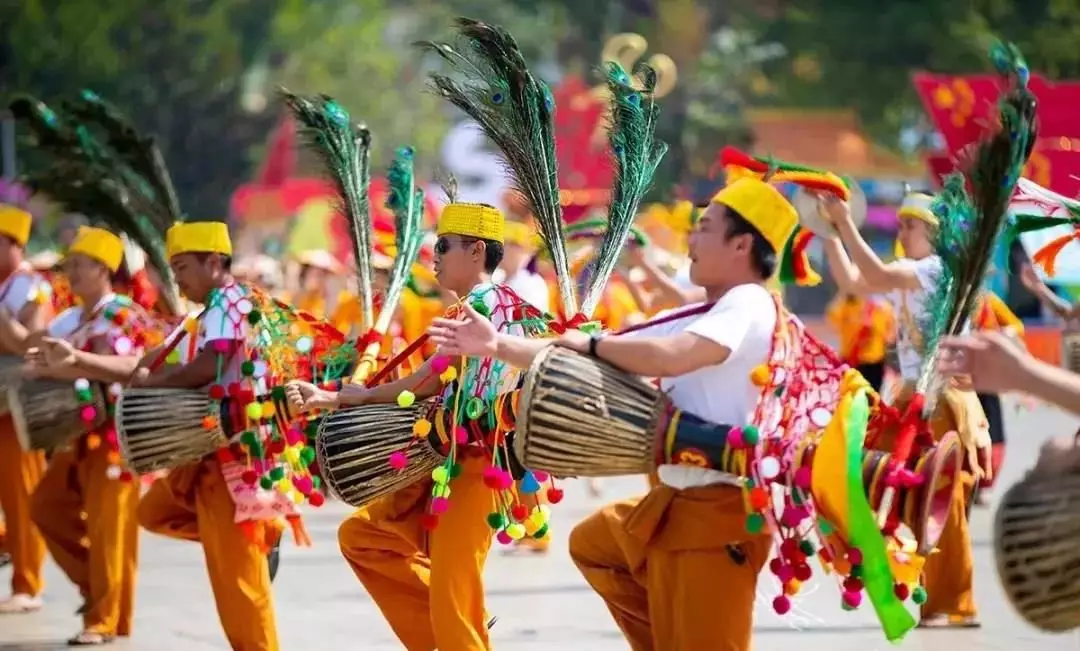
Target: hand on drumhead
{"x": 832, "y": 208}
{"x": 473, "y": 336}
{"x": 139, "y": 377}
{"x": 994, "y": 363}
{"x": 305, "y": 396}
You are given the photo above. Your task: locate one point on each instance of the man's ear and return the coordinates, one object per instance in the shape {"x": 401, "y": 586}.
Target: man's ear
{"x": 479, "y": 250}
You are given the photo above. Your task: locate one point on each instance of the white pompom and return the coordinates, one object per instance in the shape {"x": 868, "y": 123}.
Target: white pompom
{"x": 82, "y": 384}
{"x": 769, "y": 467}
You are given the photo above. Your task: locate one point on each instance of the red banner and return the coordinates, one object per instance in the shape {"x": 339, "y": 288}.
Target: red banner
{"x": 962, "y": 108}
{"x": 585, "y": 169}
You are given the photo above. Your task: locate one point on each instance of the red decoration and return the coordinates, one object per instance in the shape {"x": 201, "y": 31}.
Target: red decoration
{"x": 554, "y": 495}
{"x": 585, "y": 167}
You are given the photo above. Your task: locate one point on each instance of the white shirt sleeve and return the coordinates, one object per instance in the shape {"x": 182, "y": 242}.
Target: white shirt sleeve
{"x": 23, "y": 288}
{"x": 927, "y": 270}
{"x": 223, "y": 320}
{"x": 740, "y": 309}
{"x": 65, "y": 323}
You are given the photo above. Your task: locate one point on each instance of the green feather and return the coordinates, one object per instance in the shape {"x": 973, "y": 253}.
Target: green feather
{"x": 637, "y": 154}
{"x": 515, "y": 110}
{"x": 971, "y": 223}
{"x": 346, "y": 153}
{"x": 598, "y": 226}
{"x": 406, "y": 201}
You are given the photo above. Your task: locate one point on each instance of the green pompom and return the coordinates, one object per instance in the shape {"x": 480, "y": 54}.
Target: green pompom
{"x": 481, "y": 307}
{"x": 750, "y": 435}
{"x": 541, "y": 532}
{"x": 919, "y": 595}
{"x": 277, "y": 473}
{"x": 455, "y": 470}
{"x": 247, "y": 368}
{"x": 755, "y": 522}
{"x": 807, "y": 548}
{"x": 266, "y": 483}
{"x": 496, "y": 521}
{"x": 278, "y": 393}
{"x": 254, "y": 317}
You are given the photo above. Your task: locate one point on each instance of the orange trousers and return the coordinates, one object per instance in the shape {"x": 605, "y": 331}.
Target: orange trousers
{"x": 677, "y": 569}
{"x": 948, "y": 575}
{"x": 428, "y": 585}
{"x": 20, "y": 473}
{"x": 193, "y": 503}
{"x": 89, "y": 525}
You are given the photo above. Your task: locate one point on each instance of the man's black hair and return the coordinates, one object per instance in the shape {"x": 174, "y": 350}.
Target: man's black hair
{"x": 493, "y": 252}
{"x": 226, "y": 260}
{"x": 762, "y": 256}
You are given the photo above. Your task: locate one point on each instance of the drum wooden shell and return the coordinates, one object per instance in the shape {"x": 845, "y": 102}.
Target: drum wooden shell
{"x": 10, "y": 376}
{"x": 578, "y": 417}
{"x": 47, "y": 414}
{"x": 1037, "y": 550}
{"x": 806, "y": 205}
{"x": 161, "y": 429}
{"x": 1070, "y": 350}
{"x": 354, "y": 445}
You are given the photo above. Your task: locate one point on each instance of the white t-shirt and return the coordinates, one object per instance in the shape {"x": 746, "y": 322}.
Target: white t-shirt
{"x": 744, "y": 321}
{"x": 531, "y": 287}
{"x": 22, "y": 287}
{"x": 225, "y": 318}
{"x": 67, "y": 322}
{"x": 909, "y": 306}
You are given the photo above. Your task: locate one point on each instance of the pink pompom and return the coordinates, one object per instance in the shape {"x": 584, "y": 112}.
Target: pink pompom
{"x": 221, "y": 346}
{"x": 88, "y": 414}
{"x": 785, "y": 574}
{"x": 735, "y": 438}
{"x": 802, "y": 478}
{"x": 303, "y": 484}
{"x": 854, "y": 556}
{"x": 491, "y": 477}
{"x": 852, "y": 599}
{"x": 461, "y": 435}
{"x": 503, "y": 538}
{"x": 781, "y": 605}
{"x": 439, "y": 364}
{"x": 791, "y": 517}
{"x": 293, "y": 436}
{"x": 540, "y": 476}
{"x": 398, "y": 460}
{"x": 506, "y": 481}
{"x": 440, "y": 505}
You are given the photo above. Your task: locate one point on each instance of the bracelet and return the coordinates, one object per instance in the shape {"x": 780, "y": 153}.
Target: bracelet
{"x": 593, "y": 341}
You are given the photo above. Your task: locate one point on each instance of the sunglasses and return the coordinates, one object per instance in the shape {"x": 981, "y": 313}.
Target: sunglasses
{"x": 444, "y": 244}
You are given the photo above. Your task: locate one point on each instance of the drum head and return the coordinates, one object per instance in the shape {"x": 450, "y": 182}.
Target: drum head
{"x": 808, "y": 207}
{"x": 938, "y": 491}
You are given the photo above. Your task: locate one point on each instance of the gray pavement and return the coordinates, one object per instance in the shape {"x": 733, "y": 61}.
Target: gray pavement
{"x": 541, "y": 601}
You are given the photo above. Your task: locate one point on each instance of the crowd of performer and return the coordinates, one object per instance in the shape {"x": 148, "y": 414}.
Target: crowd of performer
{"x": 274, "y": 348}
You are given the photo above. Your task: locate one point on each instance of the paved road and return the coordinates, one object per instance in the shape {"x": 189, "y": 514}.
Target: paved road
{"x": 541, "y": 601}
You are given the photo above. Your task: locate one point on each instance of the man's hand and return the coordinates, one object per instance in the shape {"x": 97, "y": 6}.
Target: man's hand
{"x": 994, "y": 363}
{"x": 473, "y": 336}
{"x": 575, "y": 340}
{"x": 56, "y": 353}
{"x": 305, "y": 396}
{"x": 833, "y": 209}
{"x": 139, "y": 377}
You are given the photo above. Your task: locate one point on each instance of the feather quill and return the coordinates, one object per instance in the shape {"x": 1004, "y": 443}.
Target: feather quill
{"x": 515, "y": 110}
{"x": 637, "y": 154}
{"x": 345, "y": 150}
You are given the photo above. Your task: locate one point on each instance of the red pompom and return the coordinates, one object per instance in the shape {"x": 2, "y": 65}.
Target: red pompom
{"x": 250, "y": 477}
{"x": 519, "y": 512}
{"x": 246, "y": 396}
{"x": 803, "y": 573}
{"x": 554, "y": 495}
{"x": 217, "y": 392}
{"x": 316, "y": 499}
{"x": 429, "y": 521}
{"x": 234, "y": 389}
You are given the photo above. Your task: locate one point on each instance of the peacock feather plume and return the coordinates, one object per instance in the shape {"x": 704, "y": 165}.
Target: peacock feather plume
{"x": 345, "y": 150}
{"x": 406, "y": 201}
{"x": 102, "y": 167}
{"x": 973, "y": 206}
{"x": 516, "y": 111}
{"x": 637, "y": 154}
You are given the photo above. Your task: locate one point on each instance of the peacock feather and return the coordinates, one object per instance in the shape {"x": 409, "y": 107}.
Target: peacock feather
{"x": 406, "y": 201}
{"x": 637, "y": 154}
{"x": 346, "y": 152}
{"x": 972, "y": 208}
{"x": 515, "y": 110}
{"x": 119, "y": 180}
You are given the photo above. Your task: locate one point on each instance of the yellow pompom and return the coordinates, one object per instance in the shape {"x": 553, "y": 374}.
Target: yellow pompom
{"x": 515, "y": 531}
{"x": 441, "y": 490}
{"x": 285, "y": 485}
{"x": 440, "y": 475}
{"x": 406, "y": 399}
{"x": 791, "y": 589}
{"x": 760, "y": 375}
{"x": 292, "y": 455}
{"x": 191, "y": 325}
{"x": 449, "y": 375}
{"x": 254, "y": 411}
{"x": 531, "y": 527}
{"x": 422, "y": 427}
{"x": 297, "y": 497}
{"x": 268, "y": 409}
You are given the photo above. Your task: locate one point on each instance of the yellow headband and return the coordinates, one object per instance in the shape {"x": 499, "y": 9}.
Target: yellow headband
{"x": 198, "y": 237}
{"x": 763, "y": 207}
{"x": 472, "y": 220}
{"x": 917, "y": 206}
{"x": 99, "y": 244}
{"x": 15, "y": 223}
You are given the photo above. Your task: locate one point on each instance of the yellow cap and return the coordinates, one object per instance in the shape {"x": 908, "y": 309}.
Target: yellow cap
{"x": 764, "y": 207}
{"x": 15, "y": 223}
{"x": 519, "y": 234}
{"x": 198, "y": 237}
{"x": 472, "y": 220}
{"x": 99, "y": 244}
{"x": 918, "y": 206}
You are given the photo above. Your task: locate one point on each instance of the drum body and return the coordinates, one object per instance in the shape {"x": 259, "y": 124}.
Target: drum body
{"x": 1037, "y": 550}
{"x": 354, "y": 445}
{"x": 10, "y": 377}
{"x": 47, "y": 414}
{"x": 161, "y": 429}
{"x": 1070, "y": 350}
{"x": 578, "y": 417}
